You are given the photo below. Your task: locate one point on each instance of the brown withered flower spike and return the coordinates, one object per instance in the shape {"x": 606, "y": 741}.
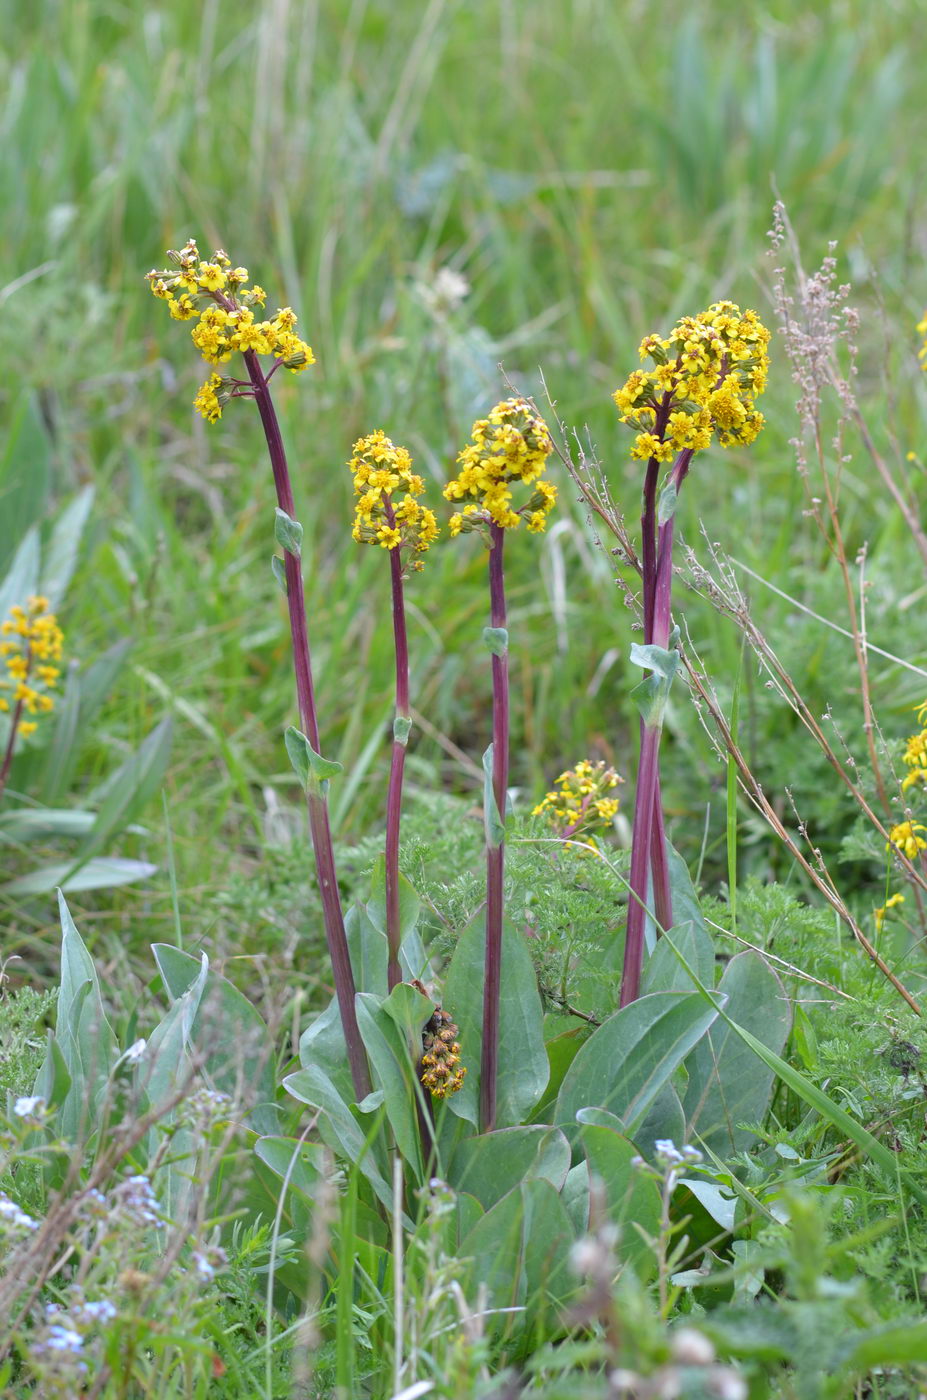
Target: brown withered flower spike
{"x": 440, "y": 1070}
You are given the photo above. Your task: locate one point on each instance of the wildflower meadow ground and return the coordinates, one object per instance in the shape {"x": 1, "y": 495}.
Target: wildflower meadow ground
{"x": 463, "y": 715}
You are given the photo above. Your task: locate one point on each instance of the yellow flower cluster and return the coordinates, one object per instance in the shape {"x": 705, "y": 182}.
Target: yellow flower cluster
{"x": 879, "y": 914}
{"x": 441, "y": 1071}
{"x": 915, "y": 757}
{"x": 582, "y": 803}
{"x": 922, "y": 353}
{"x": 907, "y": 838}
{"x": 217, "y": 295}
{"x": 32, "y": 642}
{"x": 510, "y": 444}
{"x": 705, "y": 377}
{"x": 381, "y": 470}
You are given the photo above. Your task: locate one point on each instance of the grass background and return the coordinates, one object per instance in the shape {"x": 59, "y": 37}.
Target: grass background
{"x": 594, "y": 170}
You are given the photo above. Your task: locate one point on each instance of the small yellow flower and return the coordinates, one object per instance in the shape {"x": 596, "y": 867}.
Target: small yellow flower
{"x": 510, "y": 445}
{"x": 906, "y": 837}
{"x": 579, "y": 804}
{"x": 705, "y": 378}
{"x": 36, "y": 642}
{"x": 216, "y": 296}
{"x": 879, "y": 914}
{"x": 387, "y": 511}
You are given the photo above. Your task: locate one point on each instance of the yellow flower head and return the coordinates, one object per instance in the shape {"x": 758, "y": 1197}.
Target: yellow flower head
{"x": 922, "y": 330}
{"x": 880, "y": 913}
{"x": 510, "y": 445}
{"x": 31, "y": 645}
{"x": 705, "y": 378}
{"x": 582, "y": 801}
{"x": 915, "y": 756}
{"x": 906, "y": 837}
{"x": 216, "y": 295}
{"x": 387, "y": 511}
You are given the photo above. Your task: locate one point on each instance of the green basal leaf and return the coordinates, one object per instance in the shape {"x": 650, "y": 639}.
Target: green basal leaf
{"x": 728, "y": 1084}
{"x": 228, "y": 1033}
{"x": 386, "y": 1041}
{"x": 492, "y": 1164}
{"x": 632, "y": 1196}
{"x": 310, "y": 767}
{"x": 497, "y": 639}
{"x": 339, "y": 1128}
{"x": 102, "y": 873}
{"x": 492, "y": 821}
{"x": 523, "y": 1066}
{"x": 83, "y": 1034}
{"x": 53, "y": 1081}
{"x": 278, "y": 569}
{"x": 126, "y": 791}
{"x": 60, "y": 555}
{"x": 301, "y": 1163}
{"x": 625, "y": 1063}
{"x": 288, "y": 532}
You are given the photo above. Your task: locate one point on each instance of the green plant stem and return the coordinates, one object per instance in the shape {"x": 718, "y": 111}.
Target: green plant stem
{"x": 495, "y": 852}
{"x": 319, "y": 826}
{"x": 397, "y": 765}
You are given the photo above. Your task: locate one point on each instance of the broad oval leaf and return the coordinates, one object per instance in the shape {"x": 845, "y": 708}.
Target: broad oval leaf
{"x": 490, "y": 1165}
{"x": 626, "y": 1062}
{"x": 523, "y": 1066}
{"x": 728, "y": 1084}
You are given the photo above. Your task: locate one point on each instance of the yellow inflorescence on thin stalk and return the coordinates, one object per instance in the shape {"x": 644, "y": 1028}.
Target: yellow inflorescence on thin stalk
{"x": 31, "y": 644}
{"x": 387, "y": 512}
{"x": 217, "y": 296}
{"x": 579, "y": 803}
{"x": 894, "y": 902}
{"x": 510, "y": 445}
{"x": 705, "y": 377}
{"x": 907, "y": 837}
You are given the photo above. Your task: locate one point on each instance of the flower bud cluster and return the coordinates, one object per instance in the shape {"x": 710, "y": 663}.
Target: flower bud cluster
{"x": 511, "y": 444}
{"x": 705, "y": 378}
{"x": 32, "y": 642}
{"x": 441, "y": 1072}
{"x": 579, "y": 803}
{"x": 383, "y": 516}
{"x": 217, "y": 296}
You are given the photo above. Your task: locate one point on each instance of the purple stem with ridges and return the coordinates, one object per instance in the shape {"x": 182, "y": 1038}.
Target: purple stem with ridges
{"x": 318, "y": 807}
{"x": 495, "y": 855}
{"x": 397, "y": 765}
{"x": 648, "y": 847}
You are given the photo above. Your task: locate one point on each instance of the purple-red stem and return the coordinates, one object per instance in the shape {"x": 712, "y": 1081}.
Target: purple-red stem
{"x": 318, "y": 807}
{"x": 495, "y": 855}
{"x": 397, "y": 766}
{"x": 648, "y": 847}
{"x": 10, "y": 746}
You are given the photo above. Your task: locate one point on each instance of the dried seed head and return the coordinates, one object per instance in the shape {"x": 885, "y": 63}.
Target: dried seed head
{"x": 440, "y": 1069}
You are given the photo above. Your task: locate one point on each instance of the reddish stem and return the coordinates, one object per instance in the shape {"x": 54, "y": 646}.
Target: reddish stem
{"x": 495, "y": 855}
{"x": 319, "y": 827}
{"x": 648, "y": 847}
{"x": 397, "y": 766}
{"x": 10, "y": 746}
